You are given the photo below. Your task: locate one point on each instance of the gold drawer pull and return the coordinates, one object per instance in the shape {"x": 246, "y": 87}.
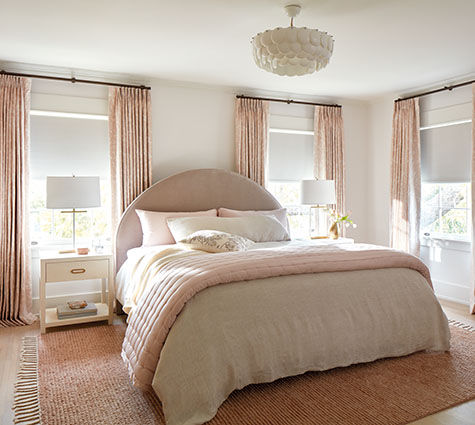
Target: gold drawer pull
{"x": 78, "y": 271}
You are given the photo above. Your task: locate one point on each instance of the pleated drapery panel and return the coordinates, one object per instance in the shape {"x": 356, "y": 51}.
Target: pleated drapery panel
{"x": 406, "y": 177}
{"x": 329, "y": 150}
{"x": 251, "y": 138}
{"x": 130, "y": 146}
{"x": 472, "y": 294}
{"x": 15, "y": 277}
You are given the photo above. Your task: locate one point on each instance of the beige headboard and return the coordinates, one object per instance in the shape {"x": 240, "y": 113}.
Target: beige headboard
{"x": 194, "y": 190}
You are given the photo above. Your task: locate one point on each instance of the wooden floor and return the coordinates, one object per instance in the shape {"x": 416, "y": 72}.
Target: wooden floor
{"x": 10, "y": 342}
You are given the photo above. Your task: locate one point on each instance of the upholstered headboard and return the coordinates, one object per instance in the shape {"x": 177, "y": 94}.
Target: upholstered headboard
{"x": 194, "y": 190}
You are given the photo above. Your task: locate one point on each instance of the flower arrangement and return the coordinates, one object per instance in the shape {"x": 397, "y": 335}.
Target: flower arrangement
{"x": 339, "y": 218}
{"x": 336, "y": 219}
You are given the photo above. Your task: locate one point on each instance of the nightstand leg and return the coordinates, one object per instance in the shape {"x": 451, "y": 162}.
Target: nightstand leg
{"x": 111, "y": 290}
{"x": 103, "y": 291}
{"x": 42, "y": 304}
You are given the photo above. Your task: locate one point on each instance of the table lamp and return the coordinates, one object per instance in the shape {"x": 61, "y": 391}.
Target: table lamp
{"x": 72, "y": 192}
{"x": 318, "y": 194}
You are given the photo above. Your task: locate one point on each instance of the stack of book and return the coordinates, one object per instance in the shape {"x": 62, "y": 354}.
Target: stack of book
{"x": 66, "y": 312}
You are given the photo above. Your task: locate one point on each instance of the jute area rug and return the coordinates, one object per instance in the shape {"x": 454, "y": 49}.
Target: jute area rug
{"x": 82, "y": 380}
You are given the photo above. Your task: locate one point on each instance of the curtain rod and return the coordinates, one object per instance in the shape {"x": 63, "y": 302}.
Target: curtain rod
{"x": 73, "y": 80}
{"x": 288, "y": 101}
{"x": 449, "y": 88}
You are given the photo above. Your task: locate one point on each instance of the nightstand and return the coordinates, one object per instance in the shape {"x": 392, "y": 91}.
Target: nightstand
{"x": 72, "y": 268}
{"x": 328, "y": 241}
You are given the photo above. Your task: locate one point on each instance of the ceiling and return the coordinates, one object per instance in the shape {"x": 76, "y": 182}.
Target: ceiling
{"x": 381, "y": 46}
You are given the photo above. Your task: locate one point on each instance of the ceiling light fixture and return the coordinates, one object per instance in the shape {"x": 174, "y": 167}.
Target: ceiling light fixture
{"x": 292, "y": 51}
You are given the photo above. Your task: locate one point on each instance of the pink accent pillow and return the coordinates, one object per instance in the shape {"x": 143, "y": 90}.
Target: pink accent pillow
{"x": 155, "y": 228}
{"x": 280, "y": 214}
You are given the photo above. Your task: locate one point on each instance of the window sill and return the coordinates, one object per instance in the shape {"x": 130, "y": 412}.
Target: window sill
{"x": 446, "y": 242}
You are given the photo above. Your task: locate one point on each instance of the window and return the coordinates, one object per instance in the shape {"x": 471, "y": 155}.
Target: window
{"x": 446, "y": 210}
{"x": 53, "y": 227}
{"x": 290, "y": 161}
{"x": 446, "y": 174}
{"x": 63, "y": 146}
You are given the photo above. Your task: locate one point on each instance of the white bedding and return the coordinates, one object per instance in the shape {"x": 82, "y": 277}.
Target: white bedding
{"x": 227, "y": 336}
{"x": 124, "y": 287}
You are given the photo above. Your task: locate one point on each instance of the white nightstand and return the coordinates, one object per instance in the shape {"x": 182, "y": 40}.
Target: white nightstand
{"x": 74, "y": 267}
{"x": 328, "y": 241}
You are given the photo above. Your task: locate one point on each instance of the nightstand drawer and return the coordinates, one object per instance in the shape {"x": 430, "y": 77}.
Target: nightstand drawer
{"x": 77, "y": 270}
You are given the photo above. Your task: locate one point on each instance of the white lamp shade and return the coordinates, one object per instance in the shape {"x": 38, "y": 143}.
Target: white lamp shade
{"x": 73, "y": 192}
{"x": 317, "y": 192}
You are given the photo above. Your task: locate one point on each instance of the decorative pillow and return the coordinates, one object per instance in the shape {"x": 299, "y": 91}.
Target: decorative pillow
{"x": 154, "y": 225}
{"x": 280, "y": 214}
{"x": 214, "y": 241}
{"x": 257, "y": 228}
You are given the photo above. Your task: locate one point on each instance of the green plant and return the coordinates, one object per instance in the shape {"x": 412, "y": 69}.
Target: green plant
{"x": 339, "y": 218}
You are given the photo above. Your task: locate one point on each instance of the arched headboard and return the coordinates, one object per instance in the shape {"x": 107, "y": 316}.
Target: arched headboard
{"x": 194, "y": 190}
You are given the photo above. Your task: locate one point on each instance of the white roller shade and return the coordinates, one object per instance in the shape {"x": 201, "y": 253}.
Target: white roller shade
{"x": 67, "y": 146}
{"x": 290, "y": 157}
{"x": 446, "y": 154}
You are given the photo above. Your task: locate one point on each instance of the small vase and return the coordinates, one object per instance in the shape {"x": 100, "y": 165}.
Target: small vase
{"x": 333, "y": 231}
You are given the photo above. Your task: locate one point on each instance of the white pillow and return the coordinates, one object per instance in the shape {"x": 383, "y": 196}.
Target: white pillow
{"x": 154, "y": 225}
{"x": 214, "y": 241}
{"x": 280, "y": 214}
{"x": 257, "y": 228}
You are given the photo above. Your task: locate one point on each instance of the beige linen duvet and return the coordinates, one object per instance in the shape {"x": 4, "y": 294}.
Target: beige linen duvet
{"x": 251, "y": 331}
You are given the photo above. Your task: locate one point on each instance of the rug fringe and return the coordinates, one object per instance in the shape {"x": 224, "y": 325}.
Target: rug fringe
{"x": 26, "y": 405}
{"x": 462, "y": 325}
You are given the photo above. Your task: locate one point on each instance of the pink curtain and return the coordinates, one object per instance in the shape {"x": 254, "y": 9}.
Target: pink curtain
{"x": 406, "y": 177}
{"x": 472, "y": 295}
{"x": 329, "y": 150}
{"x": 251, "y": 138}
{"x": 15, "y": 279}
{"x": 130, "y": 146}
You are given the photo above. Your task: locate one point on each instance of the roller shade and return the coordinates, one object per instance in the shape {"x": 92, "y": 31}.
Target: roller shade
{"x": 446, "y": 154}
{"x": 290, "y": 157}
{"x": 65, "y": 146}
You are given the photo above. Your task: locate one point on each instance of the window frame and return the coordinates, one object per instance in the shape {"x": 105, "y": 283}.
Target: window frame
{"x": 51, "y": 242}
{"x": 304, "y": 209}
{"x": 431, "y": 238}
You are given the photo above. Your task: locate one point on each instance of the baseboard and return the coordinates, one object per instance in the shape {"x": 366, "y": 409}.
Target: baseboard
{"x": 53, "y": 301}
{"x": 452, "y": 292}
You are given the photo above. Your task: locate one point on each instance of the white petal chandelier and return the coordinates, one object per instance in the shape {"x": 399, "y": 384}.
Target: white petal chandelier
{"x": 292, "y": 51}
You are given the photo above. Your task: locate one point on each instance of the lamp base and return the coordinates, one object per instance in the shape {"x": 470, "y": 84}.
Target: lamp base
{"x": 318, "y": 211}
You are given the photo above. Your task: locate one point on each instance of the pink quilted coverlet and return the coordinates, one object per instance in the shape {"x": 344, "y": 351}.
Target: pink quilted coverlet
{"x": 181, "y": 279}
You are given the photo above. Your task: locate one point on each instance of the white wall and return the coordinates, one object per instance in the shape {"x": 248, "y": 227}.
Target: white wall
{"x": 192, "y": 127}
{"x": 379, "y": 172}
{"x": 356, "y": 135}
{"x": 449, "y": 262}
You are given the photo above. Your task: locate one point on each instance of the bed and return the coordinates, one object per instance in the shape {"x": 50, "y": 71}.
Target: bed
{"x": 209, "y": 324}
